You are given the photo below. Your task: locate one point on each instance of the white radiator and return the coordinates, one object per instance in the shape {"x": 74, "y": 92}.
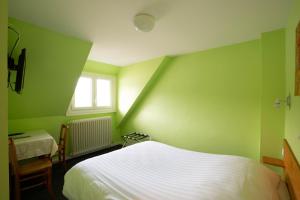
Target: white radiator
{"x": 90, "y": 135}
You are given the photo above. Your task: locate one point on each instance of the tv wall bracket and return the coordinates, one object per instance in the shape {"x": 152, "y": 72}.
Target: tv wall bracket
{"x": 19, "y": 67}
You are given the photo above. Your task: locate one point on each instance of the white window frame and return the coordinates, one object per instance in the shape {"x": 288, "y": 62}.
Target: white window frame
{"x": 72, "y": 110}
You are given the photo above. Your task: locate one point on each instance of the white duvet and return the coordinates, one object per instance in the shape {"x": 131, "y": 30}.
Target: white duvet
{"x": 152, "y": 170}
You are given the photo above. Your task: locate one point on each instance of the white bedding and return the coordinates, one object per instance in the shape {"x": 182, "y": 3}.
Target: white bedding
{"x": 152, "y": 170}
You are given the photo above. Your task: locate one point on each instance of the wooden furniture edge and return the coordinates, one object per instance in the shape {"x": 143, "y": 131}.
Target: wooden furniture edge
{"x": 273, "y": 161}
{"x": 292, "y": 171}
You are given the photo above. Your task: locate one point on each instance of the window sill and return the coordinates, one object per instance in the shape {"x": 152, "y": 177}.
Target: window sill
{"x": 87, "y": 112}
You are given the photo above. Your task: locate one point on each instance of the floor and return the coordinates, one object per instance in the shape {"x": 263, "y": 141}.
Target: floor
{"x": 58, "y": 178}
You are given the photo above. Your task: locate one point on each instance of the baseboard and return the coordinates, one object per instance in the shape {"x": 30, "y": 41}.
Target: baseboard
{"x": 70, "y": 157}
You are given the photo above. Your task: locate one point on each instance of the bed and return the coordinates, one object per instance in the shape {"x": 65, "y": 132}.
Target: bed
{"x": 152, "y": 170}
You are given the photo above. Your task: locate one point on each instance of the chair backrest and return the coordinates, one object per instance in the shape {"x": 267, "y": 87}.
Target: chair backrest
{"x": 63, "y": 135}
{"x": 13, "y": 156}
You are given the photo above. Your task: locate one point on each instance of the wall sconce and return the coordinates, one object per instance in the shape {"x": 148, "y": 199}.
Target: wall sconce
{"x": 278, "y": 102}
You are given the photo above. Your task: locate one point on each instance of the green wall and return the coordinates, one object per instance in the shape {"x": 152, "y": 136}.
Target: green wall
{"x": 4, "y": 186}
{"x": 131, "y": 81}
{"x": 273, "y": 87}
{"x": 54, "y": 62}
{"x": 101, "y": 68}
{"x": 219, "y": 100}
{"x": 52, "y": 123}
{"x": 206, "y": 101}
{"x": 292, "y": 117}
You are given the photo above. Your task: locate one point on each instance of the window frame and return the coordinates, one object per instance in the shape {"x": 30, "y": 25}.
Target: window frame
{"x": 72, "y": 110}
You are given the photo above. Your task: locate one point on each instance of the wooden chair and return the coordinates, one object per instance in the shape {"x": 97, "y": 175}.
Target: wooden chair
{"x": 34, "y": 173}
{"x": 62, "y": 145}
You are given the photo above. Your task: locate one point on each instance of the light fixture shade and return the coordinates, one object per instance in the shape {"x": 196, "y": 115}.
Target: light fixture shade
{"x": 144, "y": 22}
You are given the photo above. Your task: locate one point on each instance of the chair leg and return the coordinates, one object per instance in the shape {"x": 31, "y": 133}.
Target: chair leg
{"x": 17, "y": 189}
{"x": 59, "y": 157}
{"x": 49, "y": 183}
{"x": 64, "y": 162}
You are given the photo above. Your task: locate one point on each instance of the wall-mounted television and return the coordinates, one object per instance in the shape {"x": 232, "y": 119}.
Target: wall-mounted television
{"x": 18, "y": 83}
{"x": 16, "y": 72}
{"x": 20, "y": 71}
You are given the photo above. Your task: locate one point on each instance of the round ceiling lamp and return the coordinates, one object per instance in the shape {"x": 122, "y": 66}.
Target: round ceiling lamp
{"x": 144, "y": 22}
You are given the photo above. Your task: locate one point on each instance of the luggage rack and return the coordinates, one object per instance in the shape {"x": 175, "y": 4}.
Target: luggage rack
{"x": 137, "y": 137}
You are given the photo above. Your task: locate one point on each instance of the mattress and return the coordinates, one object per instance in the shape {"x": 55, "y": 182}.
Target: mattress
{"x": 152, "y": 170}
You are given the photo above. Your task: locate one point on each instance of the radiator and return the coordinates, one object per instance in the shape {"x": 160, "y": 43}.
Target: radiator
{"x": 88, "y": 135}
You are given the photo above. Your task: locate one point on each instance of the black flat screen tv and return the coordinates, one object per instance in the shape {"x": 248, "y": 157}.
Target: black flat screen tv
{"x": 19, "y": 68}
{"x": 20, "y": 71}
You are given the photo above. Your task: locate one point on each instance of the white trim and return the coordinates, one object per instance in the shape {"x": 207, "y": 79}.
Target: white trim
{"x": 71, "y": 111}
{"x": 89, "y": 119}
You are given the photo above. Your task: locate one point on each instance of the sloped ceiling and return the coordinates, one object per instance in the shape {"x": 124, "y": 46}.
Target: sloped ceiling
{"x": 182, "y": 26}
{"x": 54, "y": 63}
{"x": 132, "y": 81}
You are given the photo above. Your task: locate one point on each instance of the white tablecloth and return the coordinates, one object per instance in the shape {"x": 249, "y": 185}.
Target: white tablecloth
{"x": 38, "y": 143}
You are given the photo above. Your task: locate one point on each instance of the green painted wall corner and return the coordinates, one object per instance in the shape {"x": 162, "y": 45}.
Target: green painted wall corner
{"x": 147, "y": 86}
{"x": 292, "y": 125}
{"x": 54, "y": 63}
{"x": 131, "y": 81}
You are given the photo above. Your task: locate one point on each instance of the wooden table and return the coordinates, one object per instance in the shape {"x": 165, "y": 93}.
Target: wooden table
{"x": 34, "y": 143}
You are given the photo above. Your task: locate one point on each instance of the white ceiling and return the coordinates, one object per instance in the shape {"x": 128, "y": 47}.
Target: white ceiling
{"x": 182, "y": 26}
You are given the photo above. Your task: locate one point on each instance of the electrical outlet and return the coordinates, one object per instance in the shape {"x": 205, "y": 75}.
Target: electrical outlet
{"x": 277, "y": 103}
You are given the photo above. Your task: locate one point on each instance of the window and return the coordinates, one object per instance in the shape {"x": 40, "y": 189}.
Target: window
{"x": 103, "y": 93}
{"x": 84, "y": 93}
{"x": 93, "y": 94}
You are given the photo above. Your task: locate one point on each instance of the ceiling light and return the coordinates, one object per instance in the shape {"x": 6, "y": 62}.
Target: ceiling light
{"x": 144, "y": 22}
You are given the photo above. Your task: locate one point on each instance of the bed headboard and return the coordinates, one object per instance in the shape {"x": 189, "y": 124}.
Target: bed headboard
{"x": 291, "y": 169}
